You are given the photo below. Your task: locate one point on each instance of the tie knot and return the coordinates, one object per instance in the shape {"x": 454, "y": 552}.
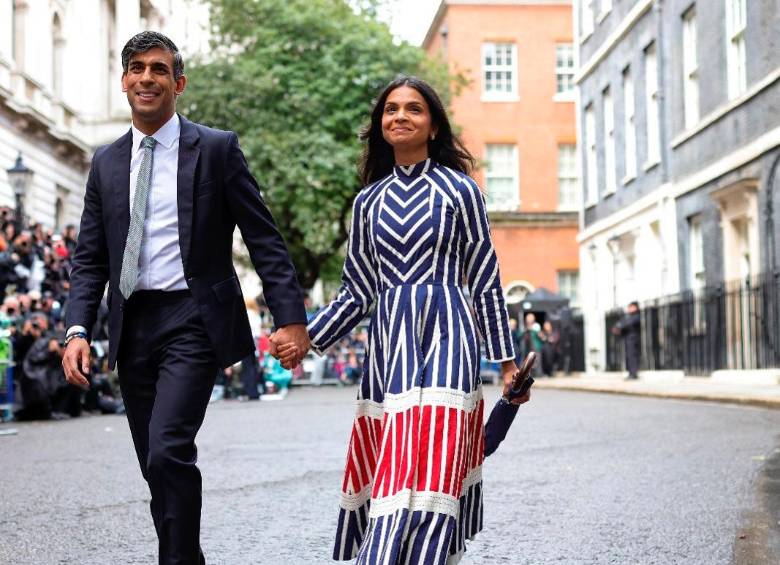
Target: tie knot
{"x": 149, "y": 142}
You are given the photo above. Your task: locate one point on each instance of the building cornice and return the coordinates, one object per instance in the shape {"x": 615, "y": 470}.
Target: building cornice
{"x": 533, "y": 219}
{"x": 442, "y": 9}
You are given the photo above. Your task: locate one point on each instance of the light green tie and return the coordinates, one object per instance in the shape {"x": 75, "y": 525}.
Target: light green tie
{"x": 129, "y": 275}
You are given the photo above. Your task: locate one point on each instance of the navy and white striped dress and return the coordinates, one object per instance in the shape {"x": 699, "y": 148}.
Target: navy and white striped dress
{"x": 412, "y": 490}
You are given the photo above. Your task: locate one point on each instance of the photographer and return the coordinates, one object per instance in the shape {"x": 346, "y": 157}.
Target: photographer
{"x": 43, "y": 371}
{"x": 35, "y": 394}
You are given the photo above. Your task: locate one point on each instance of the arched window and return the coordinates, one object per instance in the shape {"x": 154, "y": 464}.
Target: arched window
{"x": 516, "y": 291}
{"x": 57, "y": 60}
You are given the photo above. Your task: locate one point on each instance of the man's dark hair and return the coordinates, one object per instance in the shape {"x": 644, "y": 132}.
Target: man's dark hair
{"x": 635, "y": 304}
{"x": 146, "y": 40}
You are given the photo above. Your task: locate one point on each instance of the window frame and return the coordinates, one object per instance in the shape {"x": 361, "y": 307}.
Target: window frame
{"x": 511, "y": 68}
{"x": 629, "y": 127}
{"x": 569, "y": 175}
{"x": 690, "y": 58}
{"x": 512, "y": 203}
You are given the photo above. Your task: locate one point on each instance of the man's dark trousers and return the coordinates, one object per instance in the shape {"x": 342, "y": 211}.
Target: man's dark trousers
{"x": 167, "y": 368}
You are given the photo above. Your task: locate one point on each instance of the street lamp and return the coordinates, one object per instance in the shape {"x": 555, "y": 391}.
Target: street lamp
{"x": 20, "y": 177}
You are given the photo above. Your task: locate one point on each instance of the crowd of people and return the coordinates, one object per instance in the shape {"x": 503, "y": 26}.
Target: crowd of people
{"x": 35, "y": 265}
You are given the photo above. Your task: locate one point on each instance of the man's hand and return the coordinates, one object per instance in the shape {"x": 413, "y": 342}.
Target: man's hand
{"x": 76, "y": 362}
{"x": 295, "y": 339}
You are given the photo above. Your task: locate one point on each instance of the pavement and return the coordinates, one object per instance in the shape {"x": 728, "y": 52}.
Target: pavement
{"x": 581, "y": 479}
{"x": 733, "y": 388}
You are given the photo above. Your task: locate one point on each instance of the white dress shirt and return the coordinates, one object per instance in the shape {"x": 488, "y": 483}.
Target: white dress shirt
{"x": 159, "y": 264}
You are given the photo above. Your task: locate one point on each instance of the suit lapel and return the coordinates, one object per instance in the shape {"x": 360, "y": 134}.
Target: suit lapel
{"x": 121, "y": 182}
{"x": 188, "y": 162}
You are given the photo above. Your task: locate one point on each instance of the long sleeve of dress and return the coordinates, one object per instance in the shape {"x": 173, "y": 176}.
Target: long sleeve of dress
{"x": 480, "y": 266}
{"x": 358, "y": 286}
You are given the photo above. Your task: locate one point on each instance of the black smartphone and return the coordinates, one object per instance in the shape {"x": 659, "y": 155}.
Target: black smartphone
{"x": 522, "y": 379}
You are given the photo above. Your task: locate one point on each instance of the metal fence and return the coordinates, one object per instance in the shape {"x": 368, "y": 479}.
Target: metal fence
{"x": 734, "y": 325}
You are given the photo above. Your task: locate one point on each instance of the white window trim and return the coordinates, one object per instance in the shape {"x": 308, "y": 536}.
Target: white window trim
{"x": 515, "y": 202}
{"x": 629, "y": 127}
{"x": 562, "y": 207}
{"x": 736, "y": 58}
{"x": 511, "y": 96}
{"x": 610, "y": 175}
{"x": 588, "y": 19}
{"x": 605, "y": 7}
{"x": 690, "y": 70}
{"x": 591, "y": 158}
{"x": 566, "y": 95}
{"x": 652, "y": 125}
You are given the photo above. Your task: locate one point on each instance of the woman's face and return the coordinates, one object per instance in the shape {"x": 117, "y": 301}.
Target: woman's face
{"x": 406, "y": 119}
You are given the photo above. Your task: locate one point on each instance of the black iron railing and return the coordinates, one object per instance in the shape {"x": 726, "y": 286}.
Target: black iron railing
{"x": 735, "y": 325}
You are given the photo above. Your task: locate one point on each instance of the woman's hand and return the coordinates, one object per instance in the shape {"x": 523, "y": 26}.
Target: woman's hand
{"x": 508, "y": 370}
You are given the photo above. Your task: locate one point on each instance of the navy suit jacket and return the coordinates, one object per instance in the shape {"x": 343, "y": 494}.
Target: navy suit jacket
{"x": 215, "y": 192}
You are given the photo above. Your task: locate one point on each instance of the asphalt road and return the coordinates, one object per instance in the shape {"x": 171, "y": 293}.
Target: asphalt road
{"x": 582, "y": 479}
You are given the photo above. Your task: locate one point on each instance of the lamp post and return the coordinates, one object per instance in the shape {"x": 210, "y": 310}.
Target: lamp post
{"x": 20, "y": 177}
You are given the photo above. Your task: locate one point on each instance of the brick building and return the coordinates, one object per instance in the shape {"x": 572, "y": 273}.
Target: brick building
{"x": 517, "y": 117}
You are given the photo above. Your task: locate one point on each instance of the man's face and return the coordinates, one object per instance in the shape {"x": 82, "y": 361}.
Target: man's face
{"x": 150, "y": 86}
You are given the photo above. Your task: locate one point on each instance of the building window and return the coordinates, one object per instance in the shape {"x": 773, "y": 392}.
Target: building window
{"x": 696, "y": 253}
{"x": 590, "y": 158}
{"x": 735, "y": 36}
{"x": 587, "y": 17}
{"x": 564, "y": 68}
{"x": 629, "y": 126}
{"x": 690, "y": 70}
{"x": 651, "y": 96}
{"x": 499, "y": 71}
{"x": 610, "y": 183}
{"x": 568, "y": 283}
{"x": 57, "y": 49}
{"x": 502, "y": 177}
{"x": 605, "y": 8}
{"x": 568, "y": 193}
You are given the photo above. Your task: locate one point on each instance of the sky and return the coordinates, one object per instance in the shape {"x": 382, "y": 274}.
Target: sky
{"x": 410, "y": 19}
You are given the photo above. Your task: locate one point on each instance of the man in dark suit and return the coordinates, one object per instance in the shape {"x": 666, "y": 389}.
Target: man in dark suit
{"x": 160, "y": 209}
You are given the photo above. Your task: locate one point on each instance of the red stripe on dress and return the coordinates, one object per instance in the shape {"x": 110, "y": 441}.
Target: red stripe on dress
{"x": 414, "y": 431}
{"x": 438, "y": 451}
{"x": 425, "y": 435}
{"x": 452, "y": 429}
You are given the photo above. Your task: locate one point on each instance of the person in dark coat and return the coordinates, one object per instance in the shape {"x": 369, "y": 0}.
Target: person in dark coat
{"x": 629, "y": 328}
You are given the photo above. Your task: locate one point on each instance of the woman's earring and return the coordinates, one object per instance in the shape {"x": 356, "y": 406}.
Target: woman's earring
{"x": 433, "y": 136}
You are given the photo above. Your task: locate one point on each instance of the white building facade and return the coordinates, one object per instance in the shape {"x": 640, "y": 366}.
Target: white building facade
{"x": 679, "y": 178}
{"x": 60, "y": 90}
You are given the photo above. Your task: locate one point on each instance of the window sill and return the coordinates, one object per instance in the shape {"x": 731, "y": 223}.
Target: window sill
{"x": 493, "y": 98}
{"x": 608, "y": 193}
{"x": 585, "y": 37}
{"x": 628, "y": 179}
{"x": 564, "y": 208}
{"x": 602, "y": 16}
{"x": 564, "y": 97}
{"x": 591, "y": 204}
{"x": 650, "y": 165}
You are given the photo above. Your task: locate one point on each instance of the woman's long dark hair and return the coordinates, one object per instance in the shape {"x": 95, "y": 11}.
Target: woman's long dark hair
{"x": 378, "y": 159}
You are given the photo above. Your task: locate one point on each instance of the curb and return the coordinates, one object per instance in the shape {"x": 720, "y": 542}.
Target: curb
{"x": 743, "y": 400}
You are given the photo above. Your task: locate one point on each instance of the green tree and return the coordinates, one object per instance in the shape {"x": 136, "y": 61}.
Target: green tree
{"x": 295, "y": 79}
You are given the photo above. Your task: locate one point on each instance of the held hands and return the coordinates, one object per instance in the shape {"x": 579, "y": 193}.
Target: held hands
{"x": 508, "y": 370}
{"x": 289, "y": 344}
{"x": 76, "y": 362}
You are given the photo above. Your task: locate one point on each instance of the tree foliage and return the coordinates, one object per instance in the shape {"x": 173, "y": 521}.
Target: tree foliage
{"x": 295, "y": 79}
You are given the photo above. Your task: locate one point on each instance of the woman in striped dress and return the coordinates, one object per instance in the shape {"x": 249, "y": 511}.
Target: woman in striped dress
{"x": 412, "y": 490}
